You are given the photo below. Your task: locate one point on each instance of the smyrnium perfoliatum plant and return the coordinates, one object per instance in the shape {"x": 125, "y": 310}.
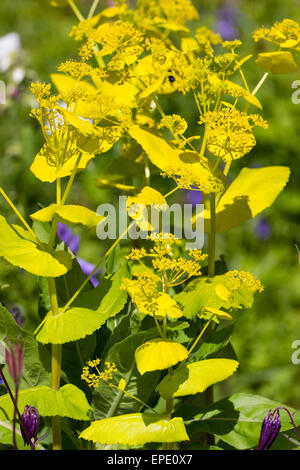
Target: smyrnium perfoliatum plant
{"x": 128, "y": 350}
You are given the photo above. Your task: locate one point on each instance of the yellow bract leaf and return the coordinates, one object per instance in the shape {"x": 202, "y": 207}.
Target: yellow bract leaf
{"x": 135, "y": 429}
{"x": 151, "y": 88}
{"x": 223, "y": 292}
{"x": 218, "y": 313}
{"x": 196, "y": 377}
{"x": 69, "y": 213}
{"x": 46, "y": 171}
{"x": 84, "y": 126}
{"x": 64, "y": 84}
{"x": 238, "y": 89}
{"x": 252, "y": 191}
{"x": 20, "y": 248}
{"x": 158, "y": 354}
{"x": 137, "y": 206}
{"x": 164, "y": 305}
{"x": 176, "y": 162}
{"x": 243, "y": 61}
{"x": 121, "y": 94}
{"x": 280, "y": 62}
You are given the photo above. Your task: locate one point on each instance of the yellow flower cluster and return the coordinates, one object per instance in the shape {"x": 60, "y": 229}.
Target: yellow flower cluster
{"x": 237, "y": 279}
{"x": 285, "y": 34}
{"x": 174, "y": 269}
{"x": 229, "y": 132}
{"x": 175, "y": 123}
{"x": 93, "y": 379}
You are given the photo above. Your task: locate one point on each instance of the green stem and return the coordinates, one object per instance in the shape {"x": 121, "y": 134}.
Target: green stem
{"x": 56, "y": 353}
{"x": 93, "y": 8}
{"x": 15, "y": 416}
{"x": 9, "y": 201}
{"x": 209, "y": 392}
{"x": 212, "y": 236}
{"x": 171, "y": 192}
{"x": 260, "y": 83}
{"x": 76, "y": 10}
{"x": 71, "y": 180}
{"x": 200, "y": 335}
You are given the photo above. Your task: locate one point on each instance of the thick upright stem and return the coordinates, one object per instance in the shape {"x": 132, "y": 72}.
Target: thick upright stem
{"x": 209, "y": 393}
{"x": 55, "y": 366}
{"x": 56, "y": 354}
{"x": 212, "y": 237}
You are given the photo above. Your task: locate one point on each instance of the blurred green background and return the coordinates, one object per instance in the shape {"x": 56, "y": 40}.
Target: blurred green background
{"x": 264, "y": 246}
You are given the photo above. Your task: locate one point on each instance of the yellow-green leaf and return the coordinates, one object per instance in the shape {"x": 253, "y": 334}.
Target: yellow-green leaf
{"x": 73, "y": 324}
{"x": 196, "y": 377}
{"x": 135, "y": 429}
{"x": 21, "y": 249}
{"x": 69, "y": 213}
{"x": 69, "y": 401}
{"x": 252, "y": 191}
{"x": 158, "y": 354}
{"x": 280, "y": 62}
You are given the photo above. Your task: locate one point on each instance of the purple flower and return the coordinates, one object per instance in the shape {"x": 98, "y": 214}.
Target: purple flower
{"x": 30, "y": 421}
{"x": 65, "y": 234}
{"x": 194, "y": 197}
{"x": 270, "y": 429}
{"x": 87, "y": 268}
{"x": 18, "y": 316}
{"x": 263, "y": 230}
{"x": 72, "y": 241}
{"x": 226, "y": 23}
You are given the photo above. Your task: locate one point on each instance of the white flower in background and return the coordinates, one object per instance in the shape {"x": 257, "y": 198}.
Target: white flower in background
{"x": 10, "y": 46}
{"x": 18, "y": 75}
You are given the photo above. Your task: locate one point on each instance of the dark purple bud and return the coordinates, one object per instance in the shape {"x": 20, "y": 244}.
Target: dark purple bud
{"x": 30, "y": 421}
{"x": 14, "y": 360}
{"x": 269, "y": 431}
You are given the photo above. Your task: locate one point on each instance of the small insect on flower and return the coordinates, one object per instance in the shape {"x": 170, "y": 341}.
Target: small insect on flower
{"x": 171, "y": 77}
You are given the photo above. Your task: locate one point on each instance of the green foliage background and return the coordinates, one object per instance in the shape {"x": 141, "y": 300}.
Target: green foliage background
{"x": 264, "y": 335}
